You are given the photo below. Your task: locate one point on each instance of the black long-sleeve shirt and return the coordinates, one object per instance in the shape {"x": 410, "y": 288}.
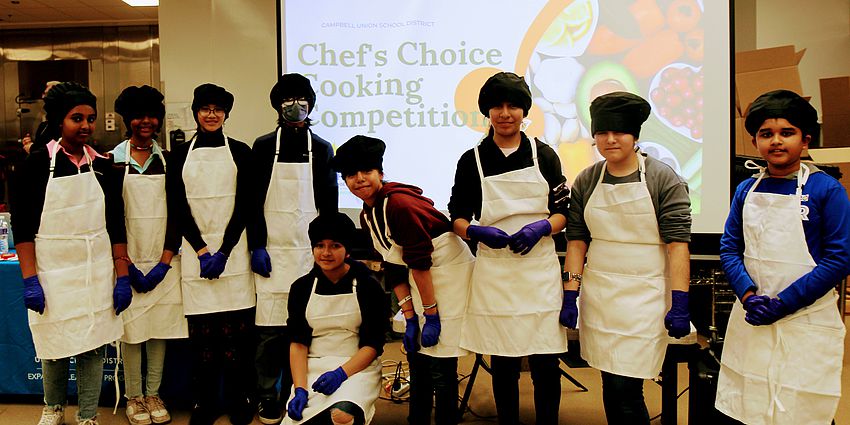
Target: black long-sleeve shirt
{"x": 33, "y": 174}
{"x": 465, "y": 201}
{"x": 156, "y": 167}
{"x": 293, "y": 149}
{"x": 374, "y": 306}
{"x": 176, "y": 188}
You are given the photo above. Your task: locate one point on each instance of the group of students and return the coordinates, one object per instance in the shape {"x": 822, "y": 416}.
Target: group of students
{"x": 243, "y": 251}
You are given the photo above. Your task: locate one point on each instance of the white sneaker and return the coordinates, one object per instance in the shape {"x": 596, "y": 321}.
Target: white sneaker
{"x": 137, "y": 413}
{"x": 92, "y": 421}
{"x": 52, "y": 415}
{"x": 159, "y": 414}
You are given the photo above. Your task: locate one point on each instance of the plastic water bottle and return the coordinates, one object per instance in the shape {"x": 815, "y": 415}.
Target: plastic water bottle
{"x": 4, "y": 237}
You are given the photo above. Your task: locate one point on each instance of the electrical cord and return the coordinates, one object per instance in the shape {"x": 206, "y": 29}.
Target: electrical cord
{"x": 677, "y": 397}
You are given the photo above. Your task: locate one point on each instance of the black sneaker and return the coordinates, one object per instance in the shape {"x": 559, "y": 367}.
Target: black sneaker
{"x": 270, "y": 412}
{"x": 202, "y": 416}
{"x": 242, "y": 412}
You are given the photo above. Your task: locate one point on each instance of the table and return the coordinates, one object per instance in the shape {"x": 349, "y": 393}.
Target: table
{"x": 20, "y": 370}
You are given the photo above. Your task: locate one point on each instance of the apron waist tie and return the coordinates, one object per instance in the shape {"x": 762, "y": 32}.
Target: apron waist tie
{"x": 117, "y": 345}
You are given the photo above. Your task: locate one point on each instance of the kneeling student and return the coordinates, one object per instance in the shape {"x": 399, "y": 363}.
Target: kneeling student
{"x": 337, "y": 321}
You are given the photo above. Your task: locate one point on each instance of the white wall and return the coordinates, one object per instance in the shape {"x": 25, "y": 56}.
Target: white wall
{"x": 232, "y": 43}
{"x": 822, "y": 27}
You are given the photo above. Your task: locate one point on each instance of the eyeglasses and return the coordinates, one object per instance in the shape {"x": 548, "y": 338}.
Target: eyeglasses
{"x": 206, "y": 111}
{"x": 289, "y": 102}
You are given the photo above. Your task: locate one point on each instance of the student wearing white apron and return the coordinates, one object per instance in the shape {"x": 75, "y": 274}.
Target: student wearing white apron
{"x": 153, "y": 241}
{"x": 507, "y": 183}
{"x": 785, "y": 247}
{"x": 338, "y": 317}
{"x": 294, "y": 183}
{"x": 209, "y": 190}
{"x": 68, "y": 214}
{"x": 631, "y": 216}
{"x": 410, "y": 233}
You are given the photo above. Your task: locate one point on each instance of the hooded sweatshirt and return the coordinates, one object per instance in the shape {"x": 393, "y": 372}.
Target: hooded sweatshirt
{"x": 412, "y": 221}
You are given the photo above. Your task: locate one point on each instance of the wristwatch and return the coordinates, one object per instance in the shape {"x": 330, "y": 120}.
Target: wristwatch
{"x": 568, "y": 276}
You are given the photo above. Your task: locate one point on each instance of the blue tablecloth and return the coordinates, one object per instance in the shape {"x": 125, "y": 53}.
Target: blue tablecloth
{"x": 20, "y": 369}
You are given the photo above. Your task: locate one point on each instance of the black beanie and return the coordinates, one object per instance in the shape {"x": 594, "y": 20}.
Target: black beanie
{"x": 359, "y": 153}
{"x": 211, "y": 94}
{"x": 291, "y": 86}
{"x": 783, "y": 104}
{"x": 335, "y": 226}
{"x": 618, "y": 111}
{"x": 136, "y": 102}
{"x": 63, "y": 97}
{"x": 504, "y": 87}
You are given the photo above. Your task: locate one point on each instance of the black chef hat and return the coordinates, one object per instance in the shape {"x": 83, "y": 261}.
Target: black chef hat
{"x": 504, "y": 87}
{"x": 63, "y": 97}
{"x": 211, "y": 94}
{"x": 783, "y": 104}
{"x": 359, "y": 153}
{"x": 618, "y": 111}
{"x": 335, "y": 226}
{"x": 135, "y": 102}
{"x": 291, "y": 86}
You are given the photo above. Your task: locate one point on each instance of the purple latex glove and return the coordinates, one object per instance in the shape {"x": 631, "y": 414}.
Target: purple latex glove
{"x": 493, "y": 237}
{"x": 410, "y": 340}
{"x": 678, "y": 319}
{"x": 767, "y": 313}
{"x": 755, "y": 300}
{"x": 431, "y": 330}
{"x": 261, "y": 263}
{"x": 138, "y": 280}
{"x": 157, "y": 274}
{"x": 524, "y": 240}
{"x": 212, "y": 265}
{"x": 296, "y": 406}
{"x": 34, "y": 294}
{"x": 569, "y": 310}
{"x": 329, "y": 382}
{"x": 122, "y": 295}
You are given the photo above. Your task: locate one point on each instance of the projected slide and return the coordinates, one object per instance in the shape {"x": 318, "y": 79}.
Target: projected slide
{"x": 409, "y": 73}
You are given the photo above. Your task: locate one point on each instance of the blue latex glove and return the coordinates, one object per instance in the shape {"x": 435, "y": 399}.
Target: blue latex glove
{"x": 524, "y": 240}
{"x": 410, "y": 340}
{"x": 330, "y": 381}
{"x": 431, "y": 330}
{"x": 122, "y": 295}
{"x": 261, "y": 264}
{"x": 34, "y": 294}
{"x": 767, "y": 313}
{"x": 138, "y": 280}
{"x": 212, "y": 265}
{"x": 296, "y": 406}
{"x": 157, "y": 274}
{"x": 493, "y": 237}
{"x": 569, "y": 310}
{"x": 755, "y": 300}
{"x": 678, "y": 319}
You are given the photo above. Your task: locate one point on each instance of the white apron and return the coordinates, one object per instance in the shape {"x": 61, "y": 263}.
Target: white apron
{"x": 74, "y": 259}
{"x": 451, "y": 270}
{"x": 625, "y": 292}
{"x": 515, "y": 300}
{"x": 335, "y": 320}
{"x": 209, "y": 175}
{"x": 288, "y": 210}
{"x": 788, "y": 372}
{"x": 157, "y": 314}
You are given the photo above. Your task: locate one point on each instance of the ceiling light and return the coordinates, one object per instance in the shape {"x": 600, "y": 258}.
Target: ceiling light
{"x": 137, "y": 3}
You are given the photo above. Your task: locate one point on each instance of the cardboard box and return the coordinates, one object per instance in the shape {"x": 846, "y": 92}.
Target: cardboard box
{"x": 763, "y": 70}
{"x": 835, "y": 95}
{"x": 835, "y": 130}
{"x": 743, "y": 140}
